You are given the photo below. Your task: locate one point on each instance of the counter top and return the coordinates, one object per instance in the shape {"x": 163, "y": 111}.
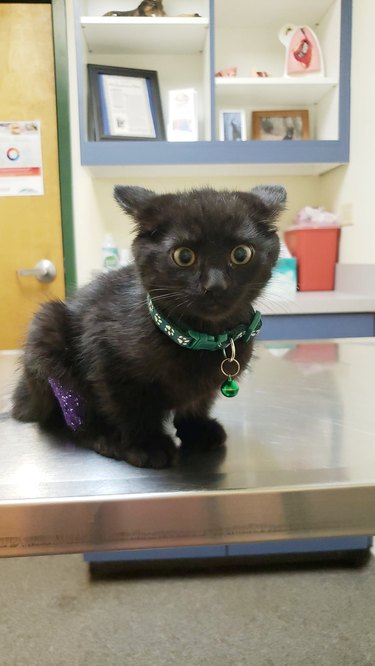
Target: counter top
{"x": 299, "y": 463}
{"x": 316, "y": 302}
{"x": 354, "y": 293}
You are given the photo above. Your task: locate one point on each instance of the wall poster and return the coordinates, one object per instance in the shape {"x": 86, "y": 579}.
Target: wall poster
{"x": 20, "y": 158}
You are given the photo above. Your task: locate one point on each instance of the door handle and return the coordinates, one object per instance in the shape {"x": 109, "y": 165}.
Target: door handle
{"x": 44, "y": 271}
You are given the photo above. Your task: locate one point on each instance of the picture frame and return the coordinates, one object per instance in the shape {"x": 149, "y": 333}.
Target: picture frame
{"x": 232, "y": 125}
{"x": 182, "y": 115}
{"x": 290, "y": 124}
{"x": 124, "y": 104}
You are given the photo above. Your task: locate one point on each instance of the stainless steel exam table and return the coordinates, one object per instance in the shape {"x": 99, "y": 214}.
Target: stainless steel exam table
{"x": 299, "y": 465}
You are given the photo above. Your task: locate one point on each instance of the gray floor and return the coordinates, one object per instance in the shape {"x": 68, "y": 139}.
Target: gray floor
{"x": 53, "y": 614}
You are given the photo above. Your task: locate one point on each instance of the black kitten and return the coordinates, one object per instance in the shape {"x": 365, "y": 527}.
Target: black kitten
{"x": 146, "y": 8}
{"x": 203, "y": 257}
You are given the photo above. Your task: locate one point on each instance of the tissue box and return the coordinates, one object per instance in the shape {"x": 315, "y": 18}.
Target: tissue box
{"x": 283, "y": 283}
{"x": 285, "y": 272}
{"x": 316, "y": 252}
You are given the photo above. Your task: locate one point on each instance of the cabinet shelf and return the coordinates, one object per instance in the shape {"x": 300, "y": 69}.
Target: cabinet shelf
{"x": 115, "y": 35}
{"x": 274, "y": 91}
{"x": 267, "y": 157}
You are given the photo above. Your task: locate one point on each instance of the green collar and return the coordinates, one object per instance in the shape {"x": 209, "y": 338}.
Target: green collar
{"x": 196, "y": 340}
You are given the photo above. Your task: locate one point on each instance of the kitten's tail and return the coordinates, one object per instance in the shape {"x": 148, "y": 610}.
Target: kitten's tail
{"x": 48, "y": 349}
{"x": 47, "y": 355}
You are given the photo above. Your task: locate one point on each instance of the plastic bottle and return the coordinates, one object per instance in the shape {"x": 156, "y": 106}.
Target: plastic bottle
{"x": 110, "y": 254}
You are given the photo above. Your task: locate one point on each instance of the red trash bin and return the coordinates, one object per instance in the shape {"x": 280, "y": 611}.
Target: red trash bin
{"x": 316, "y": 251}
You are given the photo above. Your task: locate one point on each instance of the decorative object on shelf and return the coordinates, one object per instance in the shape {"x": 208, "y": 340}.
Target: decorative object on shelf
{"x": 146, "y": 8}
{"x": 232, "y": 125}
{"x": 259, "y": 73}
{"x": 229, "y": 71}
{"x": 124, "y": 104}
{"x": 182, "y": 115}
{"x": 290, "y": 125}
{"x": 303, "y": 52}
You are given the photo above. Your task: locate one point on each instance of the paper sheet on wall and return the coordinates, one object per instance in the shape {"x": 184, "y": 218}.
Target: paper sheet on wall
{"x": 20, "y": 158}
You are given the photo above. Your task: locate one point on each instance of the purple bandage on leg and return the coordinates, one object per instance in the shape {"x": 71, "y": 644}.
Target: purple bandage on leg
{"x": 71, "y": 403}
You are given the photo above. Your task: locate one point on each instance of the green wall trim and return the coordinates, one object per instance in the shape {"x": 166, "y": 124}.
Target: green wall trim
{"x": 63, "y": 130}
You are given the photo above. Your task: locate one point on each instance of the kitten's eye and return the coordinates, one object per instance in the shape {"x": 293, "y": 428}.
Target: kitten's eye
{"x": 242, "y": 254}
{"x": 183, "y": 257}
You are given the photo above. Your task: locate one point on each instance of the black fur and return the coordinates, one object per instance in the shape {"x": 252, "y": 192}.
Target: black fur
{"x": 103, "y": 344}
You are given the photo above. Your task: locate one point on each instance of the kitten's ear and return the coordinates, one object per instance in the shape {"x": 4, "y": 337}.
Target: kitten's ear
{"x": 132, "y": 199}
{"x": 273, "y": 196}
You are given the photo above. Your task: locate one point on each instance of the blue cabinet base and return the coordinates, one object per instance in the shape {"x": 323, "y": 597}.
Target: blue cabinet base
{"x": 317, "y": 326}
{"x": 349, "y": 547}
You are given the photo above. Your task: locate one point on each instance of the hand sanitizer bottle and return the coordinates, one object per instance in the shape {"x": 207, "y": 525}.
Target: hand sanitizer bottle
{"x": 110, "y": 254}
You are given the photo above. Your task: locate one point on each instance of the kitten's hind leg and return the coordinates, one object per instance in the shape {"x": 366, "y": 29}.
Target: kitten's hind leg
{"x": 33, "y": 401}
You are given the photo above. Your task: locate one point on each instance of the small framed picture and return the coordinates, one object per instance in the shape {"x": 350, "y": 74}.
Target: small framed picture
{"x": 232, "y": 125}
{"x": 291, "y": 125}
{"x": 124, "y": 104}
{"x": 182, "y": 115}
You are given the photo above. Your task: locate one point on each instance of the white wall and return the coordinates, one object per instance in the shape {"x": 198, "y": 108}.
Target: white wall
{"x": 355, "y": 184}
{"x": 109, "y": 218}
{"x": 95, "y": 212}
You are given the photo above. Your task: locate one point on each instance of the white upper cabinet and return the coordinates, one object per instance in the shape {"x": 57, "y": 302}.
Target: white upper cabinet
{"x": 196, "y": 40}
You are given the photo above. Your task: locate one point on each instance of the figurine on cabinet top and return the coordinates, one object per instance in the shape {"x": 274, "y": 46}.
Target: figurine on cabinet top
{"x": 146, "y": 8}
{"x": 150, "y": 8}
{"x": 228, "y": 72}
{"x": 303, "y": 52}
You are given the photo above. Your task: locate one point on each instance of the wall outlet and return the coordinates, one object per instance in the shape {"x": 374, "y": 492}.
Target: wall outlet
{"x": 346, "y": 215}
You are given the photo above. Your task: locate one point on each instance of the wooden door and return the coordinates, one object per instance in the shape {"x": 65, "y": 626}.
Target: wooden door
{"x": 30, "y": 226}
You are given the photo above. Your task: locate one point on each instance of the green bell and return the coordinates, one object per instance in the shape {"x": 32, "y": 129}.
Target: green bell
{"x": 230, "y": 388}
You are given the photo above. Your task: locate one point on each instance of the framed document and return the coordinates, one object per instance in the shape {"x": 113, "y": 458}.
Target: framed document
{"x": 124, "y": 104}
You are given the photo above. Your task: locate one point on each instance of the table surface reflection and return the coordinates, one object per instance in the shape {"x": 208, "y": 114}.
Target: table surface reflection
{"x": 299, "y": 461}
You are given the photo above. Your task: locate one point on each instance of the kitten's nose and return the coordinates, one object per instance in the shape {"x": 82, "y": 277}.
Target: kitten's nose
{"x": 215, "y": 282}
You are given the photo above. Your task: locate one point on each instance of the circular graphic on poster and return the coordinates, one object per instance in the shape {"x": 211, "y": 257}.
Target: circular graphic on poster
{"x": 13, "y": 154}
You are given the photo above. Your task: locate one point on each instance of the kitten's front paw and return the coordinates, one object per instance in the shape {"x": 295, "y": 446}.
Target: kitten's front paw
{"x": 200, "y": 433}
{"x": 107, "y": 446}
{"x": 158, "y": 452}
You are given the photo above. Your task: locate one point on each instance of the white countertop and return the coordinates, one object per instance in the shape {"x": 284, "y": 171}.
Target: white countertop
{"x": 316, "y": 302}
{"x": 354, "y": 293}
